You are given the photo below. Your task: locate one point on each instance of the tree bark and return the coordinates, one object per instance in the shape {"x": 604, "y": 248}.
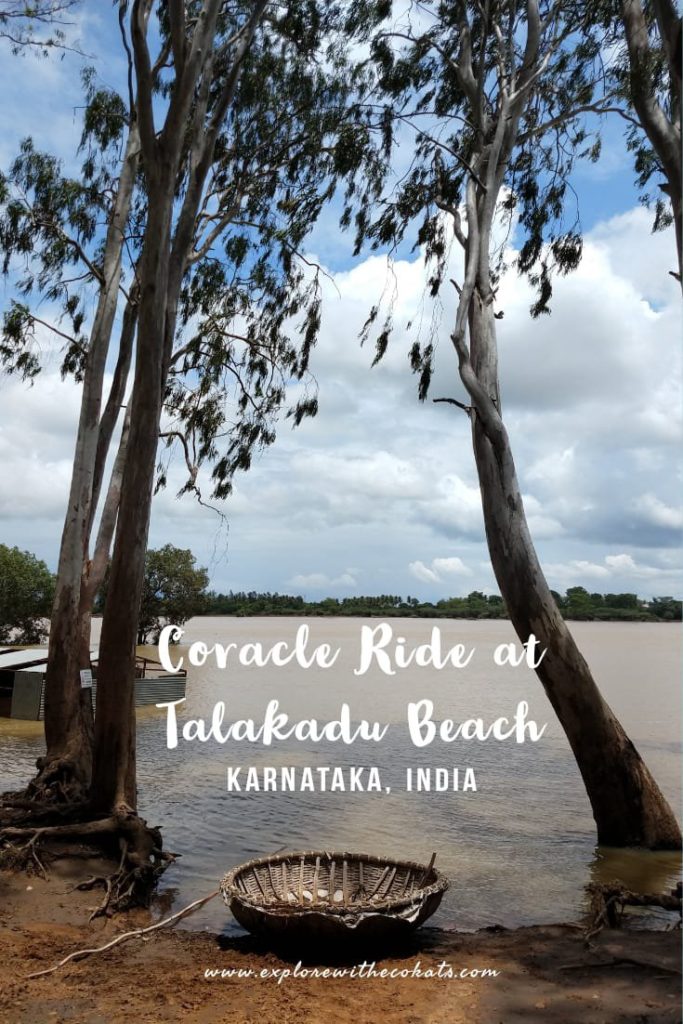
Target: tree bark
{"x": 663, "y": 130}
{"x": 628, "y": 806}
{"x": 68, "y": 707}
{"x": 113, "y": 781}
{"x": 165, "y": 252}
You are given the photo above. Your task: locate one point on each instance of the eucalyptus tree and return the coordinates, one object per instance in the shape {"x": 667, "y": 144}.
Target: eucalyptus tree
{"x": 236, "y": 157}
{"x": 647, "y": 71}
{"x": 207, "y": 171}
{"x": 493, "y": 94}
{"x": 38, "y": 25}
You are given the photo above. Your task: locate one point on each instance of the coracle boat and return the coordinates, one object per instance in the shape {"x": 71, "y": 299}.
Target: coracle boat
{"x": 307, "y": 896}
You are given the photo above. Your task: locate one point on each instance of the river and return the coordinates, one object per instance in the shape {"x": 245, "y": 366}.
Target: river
{"x": 518, "y": 851}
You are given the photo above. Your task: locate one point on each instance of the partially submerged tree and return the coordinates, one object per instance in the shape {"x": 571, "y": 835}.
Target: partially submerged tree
{"x": 173, "y": 590}
{"x": 207, "y": 176}
{"x": 26, "y": 589}
{"x": 236, "y": 157}
{"x": 494, "y": 94}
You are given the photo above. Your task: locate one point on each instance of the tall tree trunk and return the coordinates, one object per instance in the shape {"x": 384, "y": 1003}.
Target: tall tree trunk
{"x": 68, "y": 707}
{"x": 113, "y": 782}
{"x": 163, "y": 261}
{"x": 628, "y": 806}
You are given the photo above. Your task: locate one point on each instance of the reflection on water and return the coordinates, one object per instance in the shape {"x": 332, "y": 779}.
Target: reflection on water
{"x": 518, "y": 851}
{"x": 652, "y": 873}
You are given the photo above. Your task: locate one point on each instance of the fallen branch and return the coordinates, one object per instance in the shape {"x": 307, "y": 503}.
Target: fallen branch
{"x": 608, "y": 903}
{"x": 81, "y": 954}
{"x": 618, "y": 962}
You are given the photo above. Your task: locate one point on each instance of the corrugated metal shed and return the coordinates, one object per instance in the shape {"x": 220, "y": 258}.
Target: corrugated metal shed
{"x": 22, "y": 683}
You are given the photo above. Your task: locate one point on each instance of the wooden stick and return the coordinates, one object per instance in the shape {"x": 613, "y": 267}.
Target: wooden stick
{"x": 272, "y": 881}
{"x": 81, "y": 954}
{"x": 315, "y": 879}
{"x": 258, "y": 882}
{"x": 381, "y": 879}
{"x": 428, "y": 870}
{"x": 331, "y": 892}
{"x": 392, "y": 876}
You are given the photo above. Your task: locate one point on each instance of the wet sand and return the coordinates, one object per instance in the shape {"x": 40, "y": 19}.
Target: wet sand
{"x": 546, "y": 974}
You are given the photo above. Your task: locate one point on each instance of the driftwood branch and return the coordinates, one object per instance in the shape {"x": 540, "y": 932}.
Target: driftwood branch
{"x": 609, "y": 901}
{"x": 81, "y": 954}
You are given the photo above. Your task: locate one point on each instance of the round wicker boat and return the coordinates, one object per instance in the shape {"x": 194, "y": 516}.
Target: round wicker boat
{"x": 315, "y": 894}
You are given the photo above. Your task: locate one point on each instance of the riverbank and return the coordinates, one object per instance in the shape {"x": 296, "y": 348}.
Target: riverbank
{"x": 545, "y": 975}
{"x": 576, "y": 605}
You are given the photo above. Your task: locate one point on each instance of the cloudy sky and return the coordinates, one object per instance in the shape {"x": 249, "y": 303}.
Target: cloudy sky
{"x": 378, "y": 494}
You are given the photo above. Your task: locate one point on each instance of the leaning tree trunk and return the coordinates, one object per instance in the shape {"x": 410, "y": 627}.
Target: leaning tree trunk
{"x": 628, "y": 806}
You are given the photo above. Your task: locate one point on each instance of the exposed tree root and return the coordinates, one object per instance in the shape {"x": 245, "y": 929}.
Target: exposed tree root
{"x": 24, "y": 857}
{"x": 608, "y": 903}
{"x": 125, "y": 835}
{"x": 18, "y": 810}
{"x": 59, "y": 792}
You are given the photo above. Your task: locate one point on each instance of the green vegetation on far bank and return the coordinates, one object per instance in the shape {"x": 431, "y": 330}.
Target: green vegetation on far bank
{"x": 26, "y": 592}
{"x": 577, "y": 603}
{"x": 175, "y": 590}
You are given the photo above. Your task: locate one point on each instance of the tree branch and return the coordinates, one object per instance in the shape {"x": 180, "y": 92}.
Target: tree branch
{"x": 143, "y": 70}
{"x": 176, "y": 18}
{"x": 454, "y": 401}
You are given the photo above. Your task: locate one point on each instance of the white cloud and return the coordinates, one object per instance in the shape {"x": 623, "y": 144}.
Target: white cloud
{"x": 451, "y": 567}
{"x": 576, "y": 570}
{"x": 590, "y": 394}
{"x": 657, "y": 512}
{"x": 454, "y": 507}
{"x": 621, "y": 563}
{"x": 438, "y": 569}
{"x": 557, "y": 467}
{"x": 423, "y": 573}
{"x": 621, "y": 572}
{"x": 316, "y": 580}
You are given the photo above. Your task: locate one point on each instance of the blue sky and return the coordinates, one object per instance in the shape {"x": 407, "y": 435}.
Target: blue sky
{"x": 378, "y": 494}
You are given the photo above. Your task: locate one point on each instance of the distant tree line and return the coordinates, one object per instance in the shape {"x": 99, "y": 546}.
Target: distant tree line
{"x": 175, "y": 590}
{"x": 576, "y": 603}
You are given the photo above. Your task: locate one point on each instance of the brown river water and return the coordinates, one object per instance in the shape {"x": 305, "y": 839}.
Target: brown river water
{"x": 518, "y": 851}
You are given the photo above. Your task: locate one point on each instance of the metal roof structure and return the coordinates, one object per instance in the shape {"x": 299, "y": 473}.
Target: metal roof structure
{"x": 12, "y": 658}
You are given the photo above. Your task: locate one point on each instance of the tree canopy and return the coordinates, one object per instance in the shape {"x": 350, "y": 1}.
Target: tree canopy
{"x": 173, "y": 590}
{"x": 36, "y": 25}
{"x": 26, "y": 591}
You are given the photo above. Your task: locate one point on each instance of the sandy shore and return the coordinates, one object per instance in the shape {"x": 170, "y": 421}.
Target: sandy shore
{"x": 546, "y": 976}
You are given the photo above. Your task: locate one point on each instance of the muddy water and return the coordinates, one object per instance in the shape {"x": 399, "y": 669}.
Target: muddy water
{"x": 518, "y": 851}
